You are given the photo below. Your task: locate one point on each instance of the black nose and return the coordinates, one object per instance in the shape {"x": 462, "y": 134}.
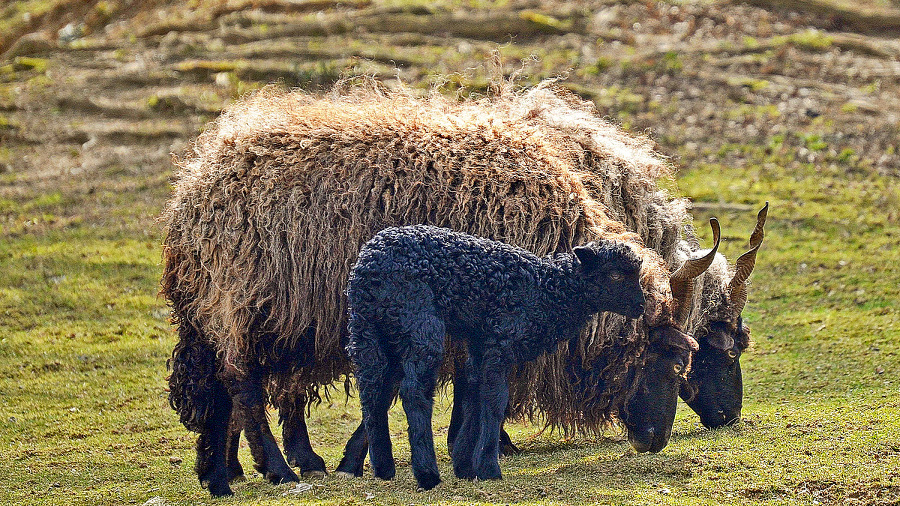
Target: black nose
{"x": 641, "y": 440}
{"x": 721, "y": 418}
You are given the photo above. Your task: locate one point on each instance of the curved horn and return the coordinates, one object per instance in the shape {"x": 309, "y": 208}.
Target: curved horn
{"x": 682, "y": 280}
{"x": 737, "y": 289}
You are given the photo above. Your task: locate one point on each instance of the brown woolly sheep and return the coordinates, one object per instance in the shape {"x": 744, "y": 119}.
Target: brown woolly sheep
{"x": 622, "y": 172}
{"x": 272, "y": 206}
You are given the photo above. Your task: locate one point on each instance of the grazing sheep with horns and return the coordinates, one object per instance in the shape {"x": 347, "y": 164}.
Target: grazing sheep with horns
{"x": 622, "y": 172}
{"x": 268, "y": 215}
{"x": 412, "y": 286}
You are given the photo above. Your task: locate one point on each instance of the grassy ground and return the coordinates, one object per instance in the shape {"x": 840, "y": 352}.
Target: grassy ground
{"x": 799, "y": 114}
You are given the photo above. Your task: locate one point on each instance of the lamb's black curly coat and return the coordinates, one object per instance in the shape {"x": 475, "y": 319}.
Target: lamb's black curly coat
{"x": 412, "y": 286}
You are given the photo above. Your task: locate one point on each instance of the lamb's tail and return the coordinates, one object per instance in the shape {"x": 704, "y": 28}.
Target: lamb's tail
{"x": 194, "y": 387}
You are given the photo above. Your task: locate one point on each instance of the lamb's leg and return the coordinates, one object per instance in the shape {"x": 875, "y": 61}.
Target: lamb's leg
{"x": 351, "y": 465}
{"x": 494, "y": 396}
{"x": 460, "y": 391}
{"x": 355, "y": 451}
{"x": 249, "y": 397}
{"x": 466, "y": 437}
{"x": 296, "y": 438}
{"x": 420, "y": 366}
{"x": 235, "y": 471}
{"x": 375, "y": 381}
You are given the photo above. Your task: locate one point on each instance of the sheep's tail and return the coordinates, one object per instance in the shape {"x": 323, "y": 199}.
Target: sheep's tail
{"x": 194, "y": 387}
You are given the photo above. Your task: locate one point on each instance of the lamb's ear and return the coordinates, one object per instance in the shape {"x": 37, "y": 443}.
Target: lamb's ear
{"x": 587, "y": 256}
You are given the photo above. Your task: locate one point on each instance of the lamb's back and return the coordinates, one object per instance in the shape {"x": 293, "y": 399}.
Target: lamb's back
{"x": 466, "y": 275}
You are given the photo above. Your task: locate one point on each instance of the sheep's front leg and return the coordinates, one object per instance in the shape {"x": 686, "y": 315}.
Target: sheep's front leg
{"x": 248, "y": 396}
{"x": 493, "y": 396}
{"x": 235, "y": 470}
{"x": 351, "y": 465}
{"x": 355, "y": 450}
{"x": 460, "y": 394}
{"x": 297, "y": 447}
{"x": 507, "y": 447}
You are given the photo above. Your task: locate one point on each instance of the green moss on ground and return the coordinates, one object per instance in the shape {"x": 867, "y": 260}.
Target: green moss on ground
{"x": 84, "y": 338}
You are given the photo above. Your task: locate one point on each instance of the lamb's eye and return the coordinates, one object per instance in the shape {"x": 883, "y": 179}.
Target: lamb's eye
{"x": 616, "y": 276}
{"x": 677, "y": 368}
{"x": 732, "y": 354}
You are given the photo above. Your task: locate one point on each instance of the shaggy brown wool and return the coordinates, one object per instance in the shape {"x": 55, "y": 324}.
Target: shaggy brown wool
{"x": 272, "y": 206}
{"x": 623, "y": 173}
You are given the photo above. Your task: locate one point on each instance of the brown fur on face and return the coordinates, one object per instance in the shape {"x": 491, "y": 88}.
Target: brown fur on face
{"x": 278, "y": 195}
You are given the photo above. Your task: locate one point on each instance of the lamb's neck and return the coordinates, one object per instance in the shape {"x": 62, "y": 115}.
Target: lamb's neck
{"x": 563, "y": 295}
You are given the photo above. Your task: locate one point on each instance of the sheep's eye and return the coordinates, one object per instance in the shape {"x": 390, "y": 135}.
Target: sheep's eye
{"x": 677, "y": 368}
{"x": 732, "y": 354}
{"x": 616, "y": 276}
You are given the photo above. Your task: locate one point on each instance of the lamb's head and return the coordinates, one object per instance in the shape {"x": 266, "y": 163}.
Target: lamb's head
{"x": 610, "y": 275}
{"x": 714, "y": 389}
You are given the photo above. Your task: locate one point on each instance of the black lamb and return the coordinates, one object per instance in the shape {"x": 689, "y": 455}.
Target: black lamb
{"x": 412, "y": 286}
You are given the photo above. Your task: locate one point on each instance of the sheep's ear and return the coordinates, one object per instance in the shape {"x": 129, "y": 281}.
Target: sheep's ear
{"x": 587, "y": 256}
{"x": 720, "y": 339}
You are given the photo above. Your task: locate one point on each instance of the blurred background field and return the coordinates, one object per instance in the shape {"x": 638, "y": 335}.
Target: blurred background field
{"x": 794, "y": 102}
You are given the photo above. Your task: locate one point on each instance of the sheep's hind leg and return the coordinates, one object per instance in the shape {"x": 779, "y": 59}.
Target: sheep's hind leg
{"x": 507, "y": 447}
{"x": 375, "y": 380}
{"x": 420, "y": 367}
{"x": 235, "y": 471}
{"x": 202, "y": 403}
{"x": 211, "y": 464}
{"x": 296, "y": 439}
{"x": 249, "y": 397}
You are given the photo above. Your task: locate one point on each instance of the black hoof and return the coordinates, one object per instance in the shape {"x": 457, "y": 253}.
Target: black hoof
{"x": 285, "y": 476}
{"x": 507, "y": 447}
{"x": 217, "y": 486}
{"x": 384, "y": 474}
{"x": 465, "y": 473}
{"x": 349, "y": 469}
{"x": 235, "y": 472}
{"x": 428, "y": 480}
{"x": 216, "y": 483}
{"x": 308, "y": 463}
{"x": 490, "y": 472}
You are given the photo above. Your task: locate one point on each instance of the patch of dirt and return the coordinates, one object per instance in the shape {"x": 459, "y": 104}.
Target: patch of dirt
{"x": 711, "y": 81}
{"x": 857, "y": 494}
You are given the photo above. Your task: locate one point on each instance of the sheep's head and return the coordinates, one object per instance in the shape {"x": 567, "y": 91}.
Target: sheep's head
{"x": 611, "y": 278}
{"x": 650, "y": 412}
{"x": 715, "y": 387}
